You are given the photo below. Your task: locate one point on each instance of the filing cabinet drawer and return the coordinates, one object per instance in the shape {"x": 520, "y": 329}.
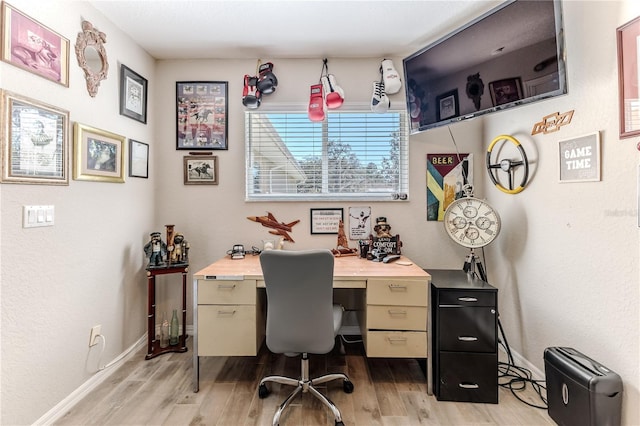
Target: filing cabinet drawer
{"x": 231, "y": 330}
{"x": 400, "y": 344}
{"x": 233, "y": 292}
{"x": 397, "y": 317}
{"x": 387, "y": 291}
{"x": 468, "y": 377}
{"x": 467, "y": 329}
{"x": 467, "y": 298}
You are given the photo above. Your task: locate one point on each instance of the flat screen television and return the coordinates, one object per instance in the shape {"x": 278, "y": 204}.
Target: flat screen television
{"x": 510, "y": 56}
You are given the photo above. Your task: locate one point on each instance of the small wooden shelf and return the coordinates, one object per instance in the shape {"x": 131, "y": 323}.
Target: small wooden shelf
{"x": 153, "y": 345}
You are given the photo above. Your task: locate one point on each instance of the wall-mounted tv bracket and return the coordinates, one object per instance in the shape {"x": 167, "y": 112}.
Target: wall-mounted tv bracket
{"x": 507, "y": 165}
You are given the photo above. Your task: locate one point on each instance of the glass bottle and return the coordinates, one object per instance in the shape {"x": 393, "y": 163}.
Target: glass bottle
{"x": 164, "y": 331}
{"x": 173, "y": 336}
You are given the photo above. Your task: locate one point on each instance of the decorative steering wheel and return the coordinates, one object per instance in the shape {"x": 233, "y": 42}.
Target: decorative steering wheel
{"x": 507, "y": 165}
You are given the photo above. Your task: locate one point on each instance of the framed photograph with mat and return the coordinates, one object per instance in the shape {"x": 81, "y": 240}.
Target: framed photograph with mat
{"x": 35, "y": 141}
{"x": 133, "y": 95}
{"x": 201, "y": 115}
{"x": 326, "y": 221}
{"x": 29, "y": 45}
{"x": 447, "y": 105}
{"x": 138, "y": 159}
{"x": 200, "y": 170}
{"x": 98, "y": 154}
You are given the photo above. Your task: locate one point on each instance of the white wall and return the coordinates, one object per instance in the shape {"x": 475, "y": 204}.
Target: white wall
{"x": 565, "y": 263}
{"x": 86, "y": 270}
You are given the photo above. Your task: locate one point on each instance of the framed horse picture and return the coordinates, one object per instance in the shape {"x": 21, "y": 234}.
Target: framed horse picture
{"x": 201, "y": 114}
{"x": 200, "y": 170}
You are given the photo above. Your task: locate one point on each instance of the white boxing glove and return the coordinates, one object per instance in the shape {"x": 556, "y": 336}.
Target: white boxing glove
{"x": 391, "y": 78}
{"x": 333, "y": 94}
{"x": 380, "y": 103}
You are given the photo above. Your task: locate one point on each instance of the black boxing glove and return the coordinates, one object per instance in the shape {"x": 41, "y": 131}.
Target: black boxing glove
{"x": 267, "y": 80}
{"x": 251, "y": 96}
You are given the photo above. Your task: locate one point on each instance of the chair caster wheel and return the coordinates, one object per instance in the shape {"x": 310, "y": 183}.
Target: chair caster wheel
{"x": 263, "y": 391}
{"x": 347, "y": 385}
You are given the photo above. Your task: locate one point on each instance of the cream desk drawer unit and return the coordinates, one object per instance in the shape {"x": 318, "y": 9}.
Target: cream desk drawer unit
{"x": 395, "y": 320}
{"x": 229, "y": 302}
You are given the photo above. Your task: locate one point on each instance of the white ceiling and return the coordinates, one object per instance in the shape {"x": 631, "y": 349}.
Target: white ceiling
{"x": 237, "y": 29}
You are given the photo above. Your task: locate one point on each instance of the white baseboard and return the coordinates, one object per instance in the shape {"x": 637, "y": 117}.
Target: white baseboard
{"x": 74, "y": 397}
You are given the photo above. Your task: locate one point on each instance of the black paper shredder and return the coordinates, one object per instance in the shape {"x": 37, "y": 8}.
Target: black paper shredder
{"x": 581, "y": 391}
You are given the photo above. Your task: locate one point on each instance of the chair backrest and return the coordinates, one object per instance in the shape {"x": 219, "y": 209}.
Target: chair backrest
{"x": 299, "y": 287}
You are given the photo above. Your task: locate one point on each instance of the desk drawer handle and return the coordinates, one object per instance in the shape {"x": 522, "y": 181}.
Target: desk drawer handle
{"x": 229, "y": 313}
{"x": 397, "y": 340}
{"x": 397, "y": 313}
{"x": 468, "y": 386}
{"x": 226, "y": 286}
{"x": 467, "y": 299}
{"x": 397, "y": 287}
{"x": 467, "y": 339}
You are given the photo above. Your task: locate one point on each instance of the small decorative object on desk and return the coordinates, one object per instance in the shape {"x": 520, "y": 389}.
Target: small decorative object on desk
{"x": 164, "y": 332}
{"x": 173, "y": 336}
{"x": 342, "y": 248}
{"x": 156, "y": 250}
{"x": 383, "y": 243}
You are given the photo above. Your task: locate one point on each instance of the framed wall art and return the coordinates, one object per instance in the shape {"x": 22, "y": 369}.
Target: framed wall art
{"x": 133, "y": 95}
{"x": 98, "y": 154}
{"x": 138, "y": 159}
{"x": 200, "y": 170}
{"x": 326, "y": 221}
{"x": 447, "y": 105}
{"x": 29, "y": 45}
{"x": 35, "y": 141}
{"x": 505, "y": 91}
{"x": 201, "y": 115}
{"x": 628, "y": 78}
{"x": 579, "y": 158}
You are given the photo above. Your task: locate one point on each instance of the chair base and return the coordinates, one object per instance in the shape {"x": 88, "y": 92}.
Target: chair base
{"x": 305, "y": 384}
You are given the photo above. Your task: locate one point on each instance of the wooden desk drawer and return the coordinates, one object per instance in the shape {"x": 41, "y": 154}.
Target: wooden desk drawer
{"x": 397, "y": 317}
{"x": 389, "y": 291}
{"x": 227, "y": 330}
{"x": 226, "y": 292}
{"x": 399, "y": 344}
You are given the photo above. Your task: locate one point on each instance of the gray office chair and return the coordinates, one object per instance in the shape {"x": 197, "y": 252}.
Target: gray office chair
{"x": 301, "y": 318}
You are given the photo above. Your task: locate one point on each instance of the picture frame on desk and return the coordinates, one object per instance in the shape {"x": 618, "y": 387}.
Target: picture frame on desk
{"x": 29, "y": 45}
{"x": 35, "y": 141}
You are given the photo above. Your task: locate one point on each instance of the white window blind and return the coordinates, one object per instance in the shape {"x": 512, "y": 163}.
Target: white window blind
{"x": 349, "y": 156}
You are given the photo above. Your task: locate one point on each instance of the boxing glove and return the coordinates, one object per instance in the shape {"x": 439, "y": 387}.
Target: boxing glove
{"x": 333, "y": 94}
{"x": 316, "y": 103}
{"x": 391, "y": 78}
{"x": 267, "y": 81}
{"x": 251, "y": 96}
{"x": 380, "y": 103}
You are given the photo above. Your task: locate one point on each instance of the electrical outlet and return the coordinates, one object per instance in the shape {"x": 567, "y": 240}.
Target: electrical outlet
{"x": 93, "y": 337}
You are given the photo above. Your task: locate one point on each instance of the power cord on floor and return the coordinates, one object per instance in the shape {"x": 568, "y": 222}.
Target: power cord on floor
{"x": 516, "y": 378}
{"x": 104, "y": 345}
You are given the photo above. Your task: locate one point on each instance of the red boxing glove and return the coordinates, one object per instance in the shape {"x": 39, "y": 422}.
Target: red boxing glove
{"x": 316, "y": 103}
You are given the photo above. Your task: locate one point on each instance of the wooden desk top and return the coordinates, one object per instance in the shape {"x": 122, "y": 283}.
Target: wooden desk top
{"x": 345, "y": 268}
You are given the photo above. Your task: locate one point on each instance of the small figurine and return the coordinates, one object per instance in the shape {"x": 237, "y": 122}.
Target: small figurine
{"x": 343, "y": 249}
{"x": 382, "y": 228}
{"x": 180, "y": 253}
{"x": 155, "y": 250}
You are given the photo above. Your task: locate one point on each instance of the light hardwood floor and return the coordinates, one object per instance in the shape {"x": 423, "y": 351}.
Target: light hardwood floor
{"x": 388, "y": 392}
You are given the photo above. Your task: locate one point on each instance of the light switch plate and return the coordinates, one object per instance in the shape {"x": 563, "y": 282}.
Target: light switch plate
{"x": 37, "y": 216}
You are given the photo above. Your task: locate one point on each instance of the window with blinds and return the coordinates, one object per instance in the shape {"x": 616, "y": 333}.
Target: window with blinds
{"x": 348, "y": 156}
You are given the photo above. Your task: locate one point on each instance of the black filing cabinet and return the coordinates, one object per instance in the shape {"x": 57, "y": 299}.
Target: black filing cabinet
{"x": 464, "y": 315}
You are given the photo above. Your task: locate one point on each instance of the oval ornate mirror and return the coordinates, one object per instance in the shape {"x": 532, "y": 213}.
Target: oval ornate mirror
{"x": 92, "y": 56}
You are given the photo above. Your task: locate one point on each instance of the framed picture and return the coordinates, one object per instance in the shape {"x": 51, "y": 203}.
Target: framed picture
{"x": 35, "y": 141}
{"x": 326, "y": 221}
{"x": 201, "y": 114}
{"x": 29, "y": 45}
{"x": 627, "y": 38}
{"x": 98, "y": 155}
{"x": 579, "y": 158}
{"x": 138, "y": 159}
{"x": 447, "y": 105}
{"x": 200, "y": 170}
{"x": 505, "y": 91}
{"x": 133, "y": 95}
